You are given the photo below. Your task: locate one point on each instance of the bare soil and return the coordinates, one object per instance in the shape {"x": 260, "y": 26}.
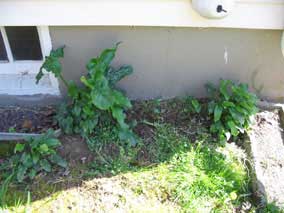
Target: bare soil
{"x": 75, "y": 150}
{"x": 27, "y": 119}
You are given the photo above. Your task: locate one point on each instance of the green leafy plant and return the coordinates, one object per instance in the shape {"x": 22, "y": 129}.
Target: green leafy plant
{"x": 193, "y": 104}
{"x": 97, "y": 101}
{"x": 230, "y": 107}
{"x": 34, "y": 156}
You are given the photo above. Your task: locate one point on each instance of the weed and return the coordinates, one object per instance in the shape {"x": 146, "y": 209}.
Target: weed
{"x": 230, "y": 107}
{"x": 32, "y": 157}
{"x": 113, "y": 156}
{"x": 193, "y": 104}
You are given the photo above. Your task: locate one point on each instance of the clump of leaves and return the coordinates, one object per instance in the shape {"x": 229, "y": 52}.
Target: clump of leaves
{"x": 95, "y": 103}
{"x": 230, "y": 107}
{"x": 193, "y": 104}
{"x": 34, "y": 156}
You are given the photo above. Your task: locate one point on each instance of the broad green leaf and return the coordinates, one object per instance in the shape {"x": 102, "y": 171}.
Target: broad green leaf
{"x": 86, "y": 82}
{"x": 21, "y": 171}
{"x": 87, "y": 110}
{"x": 19, "y": 147}
{"x": 103, "y": 100}
{"x": 216, "y": 127}
{"x": 26, "y": 159}
{"x": 43, "y": 148}
{"x": 115, "y": 76}
{"x": 119, "y": 115}
{"x": 224, "y": 89}
{"x": 217, "y": 113}
{"x": 211, "y": 107}
{"x": 196, "y": 105}
{"x": 238, "y": 117}
{"x": 32, "y": 174}
{"x": 128, "y": 135}
{"x": 45, "y": 165}
{"x": 241, "y": 110}
{"x": 233, "y": 128}
{"x": 121, "y": 99}
{"x": 228, "y": 104}
{"x": 56, "y": 159}
{"x": 92, "y": 64}
{"x": 58, "y": 53}
{"x": 76, "y": 110}
{"x": 52, "y": 142}
{"x": 67, "y": 124}
{"x": 52, "y": 64}
{"x": 73, "y": 90}
{"x": 35, "y": 157}
{"x": 108, "y": 55}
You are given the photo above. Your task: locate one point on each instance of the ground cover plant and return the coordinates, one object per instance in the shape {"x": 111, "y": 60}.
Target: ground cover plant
{"x": 96, "y": 102}
{"x": 31, "y": 157}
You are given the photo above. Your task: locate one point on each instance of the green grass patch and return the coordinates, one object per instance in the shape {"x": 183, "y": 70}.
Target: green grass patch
{"x": 199, "y": 177}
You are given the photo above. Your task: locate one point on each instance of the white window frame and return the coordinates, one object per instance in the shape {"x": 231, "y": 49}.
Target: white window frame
{"x": 16, "y": 70}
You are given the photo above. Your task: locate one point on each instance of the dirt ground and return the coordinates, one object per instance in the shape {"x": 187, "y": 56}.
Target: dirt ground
{"x": 72, "y": 192}
{"x": 27, "y": 119}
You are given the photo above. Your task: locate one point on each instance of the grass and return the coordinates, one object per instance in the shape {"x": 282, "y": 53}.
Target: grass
{"x": 175, "y": 168}
{"x": 198, "y": 177}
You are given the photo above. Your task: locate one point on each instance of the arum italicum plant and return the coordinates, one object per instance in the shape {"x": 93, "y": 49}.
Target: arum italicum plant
{"x": 230, "y": 106}
{"x": 97, "y": 101}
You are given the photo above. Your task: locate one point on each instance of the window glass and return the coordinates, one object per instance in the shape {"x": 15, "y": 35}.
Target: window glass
{"x": 24, "y": 43}
{"x": 3, "y": 53}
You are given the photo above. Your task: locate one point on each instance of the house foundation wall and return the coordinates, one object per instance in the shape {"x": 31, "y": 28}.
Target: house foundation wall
{"x": 172, "y": 62}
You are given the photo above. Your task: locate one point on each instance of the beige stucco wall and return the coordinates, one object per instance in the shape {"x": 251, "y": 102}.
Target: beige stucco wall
{"x": 176, "y": 61}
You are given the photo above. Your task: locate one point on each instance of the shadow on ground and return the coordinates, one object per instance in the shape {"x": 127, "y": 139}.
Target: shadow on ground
{"x": 166, "y": 130}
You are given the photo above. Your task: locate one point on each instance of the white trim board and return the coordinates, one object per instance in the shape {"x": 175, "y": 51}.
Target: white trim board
{"x": 255, "y": 14}
{"x": 18, "y": 77}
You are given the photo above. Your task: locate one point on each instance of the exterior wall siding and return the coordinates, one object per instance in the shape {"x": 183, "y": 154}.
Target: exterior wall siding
{"x": 171, "y": 62}
{"x": 252, "y": 14}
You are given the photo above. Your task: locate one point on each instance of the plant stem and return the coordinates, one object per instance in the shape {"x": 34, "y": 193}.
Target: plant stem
{"x": 63, "y": 80}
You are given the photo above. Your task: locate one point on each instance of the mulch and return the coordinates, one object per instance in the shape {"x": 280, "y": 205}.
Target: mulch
{"x": 27, "y": 119}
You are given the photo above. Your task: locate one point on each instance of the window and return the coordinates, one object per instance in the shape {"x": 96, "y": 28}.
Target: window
{"x": 3, "y": 53}
{"x": 22, "y": 50}
{"x": 24, "y": 43}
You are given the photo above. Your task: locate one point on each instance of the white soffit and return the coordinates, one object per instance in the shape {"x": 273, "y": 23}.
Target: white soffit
{"x": 255, "y": 14}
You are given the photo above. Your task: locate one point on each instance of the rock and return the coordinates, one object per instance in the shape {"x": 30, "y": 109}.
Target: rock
{"x": 266, "y": 149}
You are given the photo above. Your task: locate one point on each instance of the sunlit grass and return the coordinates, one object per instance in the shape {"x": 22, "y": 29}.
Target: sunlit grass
{"x": 199, "y": 177}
